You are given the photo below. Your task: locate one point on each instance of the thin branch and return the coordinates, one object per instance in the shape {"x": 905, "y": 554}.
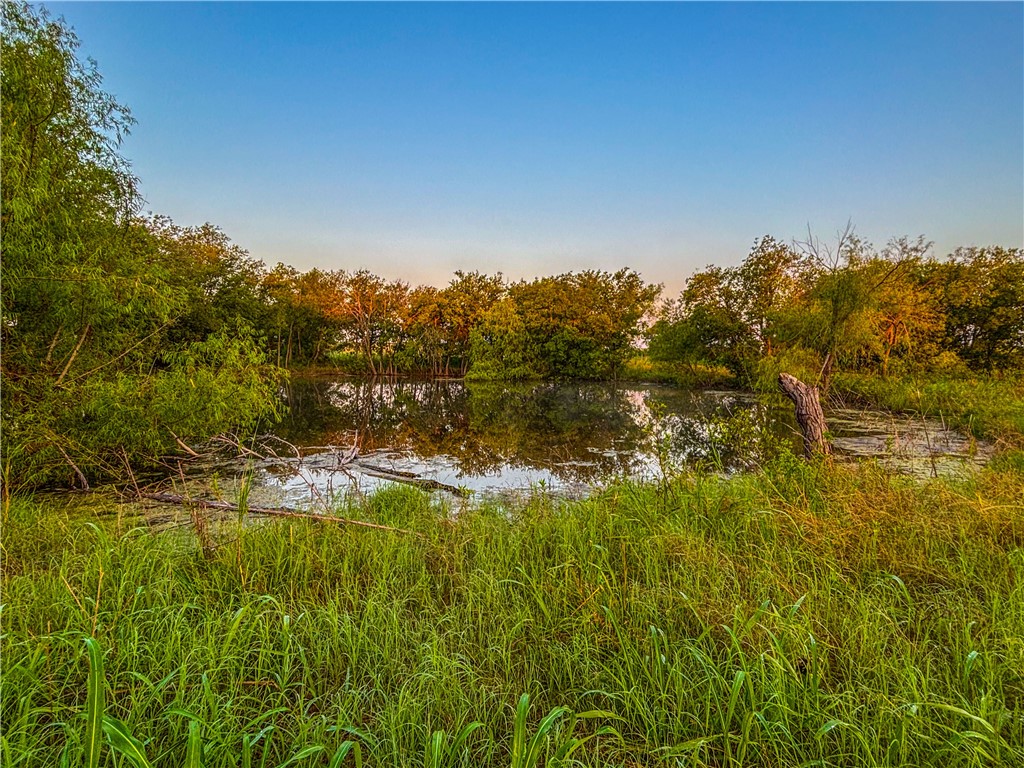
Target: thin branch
{"x": 74, "y": 354}
{"x": 81, "y": 476}
{"x": 237, "y": 445}
{"x": 181, "y": 444}
{"x": 49, "y": 351}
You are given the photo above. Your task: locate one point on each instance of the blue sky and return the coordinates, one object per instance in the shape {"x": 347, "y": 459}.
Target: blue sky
{"x": 417, "y": 139}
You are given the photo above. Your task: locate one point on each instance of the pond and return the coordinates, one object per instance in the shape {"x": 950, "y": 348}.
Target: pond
{"x": 477, "y": 438}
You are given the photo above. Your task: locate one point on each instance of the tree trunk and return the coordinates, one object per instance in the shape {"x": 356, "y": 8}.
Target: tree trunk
{"x": 808, "y": 414}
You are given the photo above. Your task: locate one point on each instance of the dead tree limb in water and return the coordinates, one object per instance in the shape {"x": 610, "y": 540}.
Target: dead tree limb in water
{"x": 410, "y": 478}
{"x": 809, "y": 415}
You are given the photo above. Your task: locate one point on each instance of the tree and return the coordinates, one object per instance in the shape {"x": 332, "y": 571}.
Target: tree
{"x": 706, "y": 323}
{"x": 374, "y": 311}
{"x": 66, "y": 196}
{"x": 220, "y": 283}
{"x": 834, "y": 315}
{"x": 983, "y": 293}
{"x": 764, "y": 284}
{"x": 584, "y": 324}
{"x": 425, "y": 347}
{"x": 460, "y": 307}
{"x": 500, "y": 345}
{"x": 908, "y": 317}
{"x": 93, "y": 379}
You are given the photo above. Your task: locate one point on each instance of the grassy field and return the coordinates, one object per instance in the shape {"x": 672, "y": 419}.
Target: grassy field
{"x": 806, "y": 615}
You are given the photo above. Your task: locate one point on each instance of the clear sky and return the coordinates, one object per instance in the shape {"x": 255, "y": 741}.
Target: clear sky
{"x": 417, "y": 139}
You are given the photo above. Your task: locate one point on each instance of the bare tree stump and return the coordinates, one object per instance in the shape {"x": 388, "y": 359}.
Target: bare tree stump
{"x": 809, "y": 415}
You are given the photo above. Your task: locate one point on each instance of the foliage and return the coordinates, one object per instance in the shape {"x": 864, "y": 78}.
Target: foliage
{"x": 500, "y": 346}
{"x": 372, "y": 318}
{"x": 848, "y": 307}
{"x": 983, "y": 290}
{"x": 725, "y": 316}
{"x": 642, "y": 368}
{"x": 219, "y": 282}
{"x": 584, "y": 324}
{"x": 115, "y": 330}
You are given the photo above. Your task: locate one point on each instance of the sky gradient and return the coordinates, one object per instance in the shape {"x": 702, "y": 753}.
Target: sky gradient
{"x": 417, "y": 139}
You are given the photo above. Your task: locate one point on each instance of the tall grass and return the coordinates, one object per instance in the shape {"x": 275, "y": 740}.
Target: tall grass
{"x": 808, "y": 615}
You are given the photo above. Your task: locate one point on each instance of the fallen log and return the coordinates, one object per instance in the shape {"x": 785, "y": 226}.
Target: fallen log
{"x": 384, "y": 470}
{"x": 173, "y": 498}
{"x": 398, "y": 476}
{"x": 809, "y": 415}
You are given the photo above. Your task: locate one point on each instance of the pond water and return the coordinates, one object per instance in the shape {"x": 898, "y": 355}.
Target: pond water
{"x": 563, "y": 437}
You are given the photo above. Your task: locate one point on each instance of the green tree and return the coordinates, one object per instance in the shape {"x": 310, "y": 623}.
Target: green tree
{"x": 982, "y": 291}
{"x": 220, "y": 283}
{"x": 706, "y": 324}
{"x": 89, "y": 292}
{"x": 501, "y": 348}
{"x": 583, "y": 324}
{"x": 909, "y": 319}
{"x": 66, "y": 197}
{"x": 769, "y": 278}
{"x": 835, "y": 315}
{"x": 460, "y": 306}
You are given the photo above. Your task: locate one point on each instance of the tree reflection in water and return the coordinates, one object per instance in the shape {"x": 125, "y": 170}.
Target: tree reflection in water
{"x": 573, "y": 432}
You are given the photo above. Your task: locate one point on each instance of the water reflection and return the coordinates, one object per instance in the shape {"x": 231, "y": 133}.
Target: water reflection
{"x": 577, "y": 432}
{"x": 494, "y": 437}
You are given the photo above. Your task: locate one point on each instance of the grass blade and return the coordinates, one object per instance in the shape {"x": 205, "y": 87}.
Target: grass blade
{"x": 123, "y": 742}
{"x": 342, "y": 753}
{"x": 194, "y": 754}
{"x": 519, "y": 732}
{"x": 94, "y": 705}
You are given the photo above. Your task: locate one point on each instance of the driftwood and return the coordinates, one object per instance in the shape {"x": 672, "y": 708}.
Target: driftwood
{"x": 409, "y": 478}
{"x": 173, "y": 498}
{"x": 809, "y": 415}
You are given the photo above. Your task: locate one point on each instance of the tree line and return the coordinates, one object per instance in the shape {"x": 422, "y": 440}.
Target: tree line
{"x": 575, "y": 325}
{"x": 822, "y": 307}
{"x": 126, "y": 336}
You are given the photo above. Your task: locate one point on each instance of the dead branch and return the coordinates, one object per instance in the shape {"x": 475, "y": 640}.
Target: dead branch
{"x": 74, "y": 354}
{"x": 183, "y": 446}
{"x": 81, "y": 476}
{"x": 410, "y": 479}
{"x": 236, "y": 444}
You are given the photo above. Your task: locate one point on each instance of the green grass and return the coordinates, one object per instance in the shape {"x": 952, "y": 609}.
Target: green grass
{"x": 807, "y": 615}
